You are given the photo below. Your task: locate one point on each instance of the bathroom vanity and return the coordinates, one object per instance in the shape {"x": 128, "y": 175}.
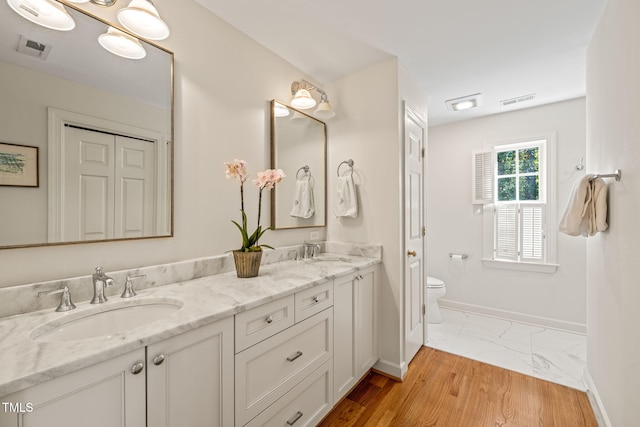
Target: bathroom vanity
{"x": 281, "y": 348}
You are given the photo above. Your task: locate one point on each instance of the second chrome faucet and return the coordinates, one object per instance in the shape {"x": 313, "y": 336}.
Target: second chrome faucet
{"x": 100, "y": 281}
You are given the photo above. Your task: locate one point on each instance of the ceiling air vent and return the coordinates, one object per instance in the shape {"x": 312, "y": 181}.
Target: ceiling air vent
{"x": 517, "y": 100}
{"x": 33, "y": 48}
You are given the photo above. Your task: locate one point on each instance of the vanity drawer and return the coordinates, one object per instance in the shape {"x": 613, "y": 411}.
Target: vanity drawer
{"x": 257, "y": 324}
{"x": 269, "y": 369}
{"x": 305, "y": 405}
{"x": 313, "y": 300}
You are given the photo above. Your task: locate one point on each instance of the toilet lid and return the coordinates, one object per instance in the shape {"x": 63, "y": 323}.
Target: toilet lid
{"x": 432, "y": 282}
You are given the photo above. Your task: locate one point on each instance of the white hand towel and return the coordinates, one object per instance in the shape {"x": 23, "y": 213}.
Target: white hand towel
{"x": 303, "y": 204}
{"x": 346, "y": 198}
{"x": 575, "y": 221}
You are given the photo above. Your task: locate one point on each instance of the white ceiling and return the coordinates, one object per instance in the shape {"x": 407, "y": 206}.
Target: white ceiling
{"x": 500, "y": 48}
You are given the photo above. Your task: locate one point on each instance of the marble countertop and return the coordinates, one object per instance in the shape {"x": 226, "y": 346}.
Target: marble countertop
{"x": 25, "y": 362}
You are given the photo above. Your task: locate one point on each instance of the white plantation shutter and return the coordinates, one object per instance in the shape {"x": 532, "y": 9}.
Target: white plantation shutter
{"x": 482, "y": 175}
{"x": 532, "y": 221}
{"x": 506, "y": 232}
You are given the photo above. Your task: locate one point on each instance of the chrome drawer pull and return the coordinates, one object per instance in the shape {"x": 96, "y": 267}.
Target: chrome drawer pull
{"x": 269, "y": 319}
{"x": 298, "y": 354}
{"x": 295, "y": 418}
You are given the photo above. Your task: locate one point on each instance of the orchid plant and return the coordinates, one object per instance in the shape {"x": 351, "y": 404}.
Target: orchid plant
{"x": 265, "y": 180}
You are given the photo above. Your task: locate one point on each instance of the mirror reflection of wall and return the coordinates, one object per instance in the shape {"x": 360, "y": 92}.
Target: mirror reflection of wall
{"x": 298, "y": 147}
{"x": 88, "y": 87}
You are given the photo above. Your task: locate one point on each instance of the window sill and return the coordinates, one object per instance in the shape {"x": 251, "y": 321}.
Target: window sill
{"x": 521, "y": 266}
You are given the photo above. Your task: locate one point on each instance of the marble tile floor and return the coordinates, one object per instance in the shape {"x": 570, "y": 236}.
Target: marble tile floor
{"x": 549, "y": 354}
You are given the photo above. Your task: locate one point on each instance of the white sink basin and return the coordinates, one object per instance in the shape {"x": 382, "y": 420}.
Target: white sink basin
{"x": 118, "y": 318}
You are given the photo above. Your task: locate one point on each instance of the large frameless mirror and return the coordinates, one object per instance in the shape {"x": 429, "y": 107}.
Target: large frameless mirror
{"x": 298, "y": 147}
{"x": 101, "y": 126}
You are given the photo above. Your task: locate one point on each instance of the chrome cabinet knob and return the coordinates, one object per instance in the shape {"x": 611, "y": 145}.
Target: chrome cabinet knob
{"x": 269, "y": 319}
{"x": 137, "y": 368}
{"x": 158, "y": 359}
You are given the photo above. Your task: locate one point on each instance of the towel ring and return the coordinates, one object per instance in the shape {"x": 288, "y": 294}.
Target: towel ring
{"x": 348, "y": 163}
{"x": 305, "y": 169}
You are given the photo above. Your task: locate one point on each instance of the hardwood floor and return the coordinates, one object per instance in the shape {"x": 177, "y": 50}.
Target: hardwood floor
{"x": 442, "y": 389}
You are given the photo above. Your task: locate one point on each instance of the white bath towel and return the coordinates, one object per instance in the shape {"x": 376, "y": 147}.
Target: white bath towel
{"x": 346, "y": 198}
{"x": 575, "y": 221}
{"x": 303, "y": 204}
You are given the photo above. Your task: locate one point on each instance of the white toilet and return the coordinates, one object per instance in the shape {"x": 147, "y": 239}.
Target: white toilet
{"x": 434, "y": 291}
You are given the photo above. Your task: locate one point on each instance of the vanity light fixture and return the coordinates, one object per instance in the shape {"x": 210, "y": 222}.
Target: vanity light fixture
{"x": 46, "y": 13}
{"x": 301, "y": 98}
{"x": 142, "y": 18}
{"x": 280, "y": 110}
{"x": 122, "y": 44}
{"x": 465, "y": 102}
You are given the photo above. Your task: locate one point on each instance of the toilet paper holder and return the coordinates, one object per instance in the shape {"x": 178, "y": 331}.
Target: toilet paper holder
{"x": 461, "y": 256}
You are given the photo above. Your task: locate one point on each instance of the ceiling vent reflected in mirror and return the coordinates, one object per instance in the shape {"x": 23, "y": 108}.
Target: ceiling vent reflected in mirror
{"x": 33, "y": 48}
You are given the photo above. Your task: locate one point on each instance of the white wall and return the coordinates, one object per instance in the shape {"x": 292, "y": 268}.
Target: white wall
{"x": 613, "y": 267}
{"x": 368, "y": 130}
{"x": 223, "y": 83}
{"x": 455, "y": 225}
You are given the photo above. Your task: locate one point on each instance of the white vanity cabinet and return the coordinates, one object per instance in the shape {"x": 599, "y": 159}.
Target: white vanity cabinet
{"x": 108, "y": 394}
{"x": 354, "y": 329}
{"x": 190, "y": 378}
{"x": 287, "y": 374}
{"x": 186, "y": 380}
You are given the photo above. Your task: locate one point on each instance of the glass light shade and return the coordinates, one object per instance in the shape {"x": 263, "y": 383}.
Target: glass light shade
{"x": 47, "y": 13}
{"x": 122, "y": 44}
{"x": 324, "y": 111}
{"x": 142, "y": 18}
{"x": 280, "y": 110}
{"x": 78, "y": 1}
{"x": 303, "y": 100}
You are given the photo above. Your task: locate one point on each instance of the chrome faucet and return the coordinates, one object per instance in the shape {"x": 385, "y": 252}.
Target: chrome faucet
{"x": 100, "y": 281}
{"x": 309, "y": 250}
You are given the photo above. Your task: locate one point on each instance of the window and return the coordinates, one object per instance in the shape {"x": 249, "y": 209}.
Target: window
{"x": 512, "y": 181}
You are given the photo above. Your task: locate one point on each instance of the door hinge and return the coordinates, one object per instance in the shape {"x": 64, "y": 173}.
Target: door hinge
{"x": 423, "y": 153}
{"x": 424, "y": 231}
{"x": 424, "y": 309}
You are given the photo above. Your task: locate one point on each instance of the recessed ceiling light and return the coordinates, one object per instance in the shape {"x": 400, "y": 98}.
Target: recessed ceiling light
{"x": 464, "y": 102}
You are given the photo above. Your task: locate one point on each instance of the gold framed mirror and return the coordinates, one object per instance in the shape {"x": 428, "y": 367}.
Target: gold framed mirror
{"x": 299, "y": 148}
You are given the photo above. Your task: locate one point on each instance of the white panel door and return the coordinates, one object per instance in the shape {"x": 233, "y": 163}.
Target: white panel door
{"x": 414, "y": 222}
{"x": 135, "y": 187}
{"x": 88, "y": 196}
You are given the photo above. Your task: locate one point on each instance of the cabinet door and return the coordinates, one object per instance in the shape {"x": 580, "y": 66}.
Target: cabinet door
{"x": 108, "y": 394}
{"x": 344, "y": 361}
{"x": 190, "y": 378}
{"x": 366, "y": 340}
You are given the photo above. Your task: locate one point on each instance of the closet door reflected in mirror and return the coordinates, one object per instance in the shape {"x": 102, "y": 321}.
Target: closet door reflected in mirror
{"x": 298, "y": 147}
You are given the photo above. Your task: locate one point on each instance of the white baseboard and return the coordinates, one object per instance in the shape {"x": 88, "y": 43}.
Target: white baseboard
{"x": 512, "y": 315}
{"x": 391, "y": 369}
{"x": 594, "y": 399}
